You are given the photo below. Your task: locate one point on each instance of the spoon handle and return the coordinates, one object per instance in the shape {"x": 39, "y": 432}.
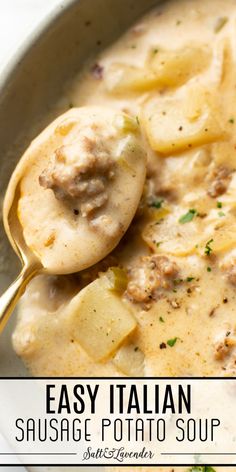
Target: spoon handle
{"x": 11, "y": 296}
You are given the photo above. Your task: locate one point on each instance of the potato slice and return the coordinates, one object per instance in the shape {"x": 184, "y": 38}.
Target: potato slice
{"x": 180, "y": 122}
{"x": 175, "y": 67}
{"x": 163, "y": 68}
{"x": 221, "y": 234}
{"x": 129, "y": 359}
{"x": 100, "y": 320}
{"x": 125, "y": 78}
{"x": 171, "y": 237}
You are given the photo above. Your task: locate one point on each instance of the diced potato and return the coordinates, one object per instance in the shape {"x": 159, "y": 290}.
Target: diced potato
{"x": 175, "y": 67}
{"x": 100, "y": 320}
{"x": 129, "y": 359}
{"x": 223, "y": 234}
{"x": 126, "y": 78}
{"x": 163, "y": 68}
{"x": 157, "y": 214}
{"x": 171, "y": 237}
{"x": 180, "y": 122}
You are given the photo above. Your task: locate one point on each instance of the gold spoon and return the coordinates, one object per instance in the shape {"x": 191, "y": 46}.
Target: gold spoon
{"x": 31, "y": 265}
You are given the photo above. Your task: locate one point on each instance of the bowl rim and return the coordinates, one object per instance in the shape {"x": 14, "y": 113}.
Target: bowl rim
{"x": 9, "y": 68}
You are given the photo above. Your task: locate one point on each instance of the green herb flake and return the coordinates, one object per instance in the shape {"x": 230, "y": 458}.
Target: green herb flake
{"x": 231, "y": 120}
{"x": 177, "y": 281}
{"x": 155, "y": 51}
{"x": 171, "y": 342}
{"x": 157, "y": 203}
{"x": 208, "y": 269}
{"x": 208, "y": 249}
{"x": 219, "y": 204}
{"x": 137, "y": 120}
{"x": 178, "y": 22}
{"x": 220, "y": 23}
{"x": 158, "y": 243}
{"x": 190, "y": 279}
{"x": 188, "y": 216}
{"x": 221, "y": 213}
{"x": 161, "y": 319}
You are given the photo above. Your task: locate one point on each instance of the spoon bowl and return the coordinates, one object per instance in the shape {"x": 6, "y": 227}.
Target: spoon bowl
{"x": 52, "y": 237}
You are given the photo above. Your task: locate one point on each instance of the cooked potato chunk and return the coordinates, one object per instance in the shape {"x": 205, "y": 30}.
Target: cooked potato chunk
{"x": 125, "y": 78}
{"x": 175, "y": 67}
{"x": 171, "y": 237}
{"x": 129, "y": 359}
{"x": 180, "y": 122}
{"x": 101, "y": 321}
{"x": 219, "y": 237}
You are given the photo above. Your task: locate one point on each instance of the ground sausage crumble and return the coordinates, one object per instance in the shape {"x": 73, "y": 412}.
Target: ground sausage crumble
{"x": 151, "y": 274}
{"x": 80, "y": 172}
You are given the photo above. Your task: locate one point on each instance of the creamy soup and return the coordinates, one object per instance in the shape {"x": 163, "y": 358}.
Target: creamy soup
{"x": 172, "y": 279}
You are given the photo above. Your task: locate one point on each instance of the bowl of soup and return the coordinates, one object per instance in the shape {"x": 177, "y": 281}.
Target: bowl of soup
{"x": 162, "y": 302}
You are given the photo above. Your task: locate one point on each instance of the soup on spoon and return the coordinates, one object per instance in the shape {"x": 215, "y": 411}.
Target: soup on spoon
{"x": 78, "y": 186}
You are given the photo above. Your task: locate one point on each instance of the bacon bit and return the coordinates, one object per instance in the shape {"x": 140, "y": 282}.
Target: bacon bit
{"x": 97, "y": 71}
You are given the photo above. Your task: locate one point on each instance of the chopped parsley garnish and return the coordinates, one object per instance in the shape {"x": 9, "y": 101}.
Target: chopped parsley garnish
{"x": 158, "y": 243}
{"x": 171, "y": 342}
{"x": 219, "y": 204}
{"x": 189, "y": 279}
{"x": 208, "y": 248}
{"x": 155, "y": 51}
{"x": 157, "y": 203}
{"x": 221, "y": 213}
{"x": 137, "y": 120}
{"x": 231, "y": 120}
{"x": 188, "y": 216}
{"x": 161, "y": 319}
{"x": 208, "y": 269}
